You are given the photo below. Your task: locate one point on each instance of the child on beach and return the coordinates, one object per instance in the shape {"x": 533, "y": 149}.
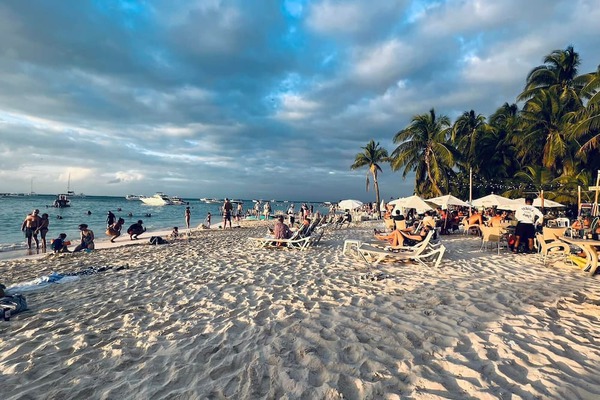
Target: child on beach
{"x": 206, "y": 223}
{"x": 175, "y": 232}
{"x": 59, "y": 245}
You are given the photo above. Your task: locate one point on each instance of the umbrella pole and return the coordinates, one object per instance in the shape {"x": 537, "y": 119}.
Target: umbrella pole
{"x": 470, "y": 189}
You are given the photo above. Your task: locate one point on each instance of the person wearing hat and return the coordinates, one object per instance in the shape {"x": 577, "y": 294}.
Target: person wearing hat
{"x": 29, "y": 226}
{"x": 87, "y": 239}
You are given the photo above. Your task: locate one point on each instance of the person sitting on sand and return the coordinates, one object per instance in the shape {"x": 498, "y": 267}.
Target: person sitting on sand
{"x": 206, "y": 223}
{"x": 87, "y": 239}
{"x": 136, "y": 229}
{"x": 59, "y": 245}
{"x": 114, "y": 229}
{"x": 175, "y": 232}
{"x": 281, "y": 230}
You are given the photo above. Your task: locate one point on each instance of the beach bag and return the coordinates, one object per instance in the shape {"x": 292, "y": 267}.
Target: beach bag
{"x": 16, "y": 303}
{"x": 157, "y": 240}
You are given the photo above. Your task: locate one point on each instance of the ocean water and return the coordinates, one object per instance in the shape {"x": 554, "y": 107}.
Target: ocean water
{"x": 13, "y": 211}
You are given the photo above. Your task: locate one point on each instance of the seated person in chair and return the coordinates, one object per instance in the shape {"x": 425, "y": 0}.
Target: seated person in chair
{"x": 404, "y": 237}
{"x": 281, "y": 230}
{"x": 475, "y": 219}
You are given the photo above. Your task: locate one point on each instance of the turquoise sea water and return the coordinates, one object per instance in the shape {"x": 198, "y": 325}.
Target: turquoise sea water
{"x": 13, "y": 211}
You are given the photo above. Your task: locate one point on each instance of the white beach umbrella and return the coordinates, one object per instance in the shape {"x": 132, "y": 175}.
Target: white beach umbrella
{"x": 349, "y": 204}
{"x": 448, "y": 200}
{"x": 538, "y": 203}
{"x": 412, "y": 202}
{"x": 493, "y": 200}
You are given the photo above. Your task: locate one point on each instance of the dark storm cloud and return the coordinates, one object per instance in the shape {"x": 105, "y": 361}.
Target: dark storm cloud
{"x": 253, "y": 99}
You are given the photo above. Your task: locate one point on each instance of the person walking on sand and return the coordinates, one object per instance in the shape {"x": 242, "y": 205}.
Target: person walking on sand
{"x": 188, "y": 216}
{"x": 227, "y": 209}
{"x": 29, "y": 226}
{"x": 42, "y": 229}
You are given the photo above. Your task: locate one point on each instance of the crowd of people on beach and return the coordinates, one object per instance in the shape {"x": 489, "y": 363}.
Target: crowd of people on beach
{"x": 34, "y": 225}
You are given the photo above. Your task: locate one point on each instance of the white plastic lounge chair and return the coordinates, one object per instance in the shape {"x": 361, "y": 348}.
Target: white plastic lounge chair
{"x": 423, "y": 254}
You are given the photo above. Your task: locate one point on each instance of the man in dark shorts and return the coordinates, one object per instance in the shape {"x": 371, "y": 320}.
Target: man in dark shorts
{"x": 227, "y": 209}
{"x": 30, "y": 226}
{"x": 528, "y": 216}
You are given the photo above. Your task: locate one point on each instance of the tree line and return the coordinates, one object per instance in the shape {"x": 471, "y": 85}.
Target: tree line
{"x": 549, "y": 143}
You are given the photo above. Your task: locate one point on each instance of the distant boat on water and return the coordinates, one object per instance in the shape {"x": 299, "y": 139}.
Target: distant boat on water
{"x": 178, "y": 200}
{"x": 210, "y": 201}
{"x": 159, "y": 199}
{"x": 132, "y": 197}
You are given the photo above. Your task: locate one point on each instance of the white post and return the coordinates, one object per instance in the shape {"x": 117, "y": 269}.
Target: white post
{"x": 470, "y": 189}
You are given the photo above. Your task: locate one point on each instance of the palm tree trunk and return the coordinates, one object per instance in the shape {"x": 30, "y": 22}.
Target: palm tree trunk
{"x": 377, "y": 199}
{"x": 436, "y": 189}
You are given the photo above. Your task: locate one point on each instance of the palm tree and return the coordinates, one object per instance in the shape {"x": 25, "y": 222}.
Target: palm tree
{"x": 546, "y": 126}
{"x": 466, "y": 132}
{"x": 588, "y": 119}
{"x": 372, "y": 156}
{"x": 424, "y": 148}
{"x": 560, "y": 72}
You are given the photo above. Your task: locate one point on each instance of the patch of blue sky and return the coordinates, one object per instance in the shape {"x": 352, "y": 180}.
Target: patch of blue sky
{"x": 418, "y": 8}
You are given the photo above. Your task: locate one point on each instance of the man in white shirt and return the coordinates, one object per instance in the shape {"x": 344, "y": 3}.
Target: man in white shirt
{"x": 527, "y": 216}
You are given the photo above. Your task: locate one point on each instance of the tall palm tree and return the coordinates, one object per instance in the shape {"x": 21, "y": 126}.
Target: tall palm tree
{"x": 424, "y": 147}
{"x": 587, "y": 126}
{"x": 466, "y": 132}
{"x": 559, "y": 71}
{"x": 372, "y": 156}
{"x": 545, "y": 120}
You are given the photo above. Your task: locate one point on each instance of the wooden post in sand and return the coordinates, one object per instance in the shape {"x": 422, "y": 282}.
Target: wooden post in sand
{"x": 578, "y": 201}
{"x": 597, "y": 190}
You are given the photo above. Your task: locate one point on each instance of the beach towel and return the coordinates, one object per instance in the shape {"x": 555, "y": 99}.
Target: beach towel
{"x": 157, "y": 240}
{"x": 15, "y": 303}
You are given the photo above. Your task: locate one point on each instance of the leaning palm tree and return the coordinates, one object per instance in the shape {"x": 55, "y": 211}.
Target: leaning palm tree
{"x": 371, "y": 157}
{"x": 424, "y": 147}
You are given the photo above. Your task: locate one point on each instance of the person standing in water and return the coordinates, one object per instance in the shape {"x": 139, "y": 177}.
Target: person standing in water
{"x": 42, "y": 229}
{"x": 29, "y": 226}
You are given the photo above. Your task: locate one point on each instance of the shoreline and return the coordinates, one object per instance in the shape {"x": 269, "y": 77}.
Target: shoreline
{"x": 104, "y": 242}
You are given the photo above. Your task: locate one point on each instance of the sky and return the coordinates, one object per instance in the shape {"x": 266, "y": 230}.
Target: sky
{"x": 254, "y": 99}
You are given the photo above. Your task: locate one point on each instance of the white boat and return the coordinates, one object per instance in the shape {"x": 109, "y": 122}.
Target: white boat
{"x": 159, "y": 199}
{"x": 133, "y": 197}
{"x": 178, "y": 200}
{"x": 62, "y": 201}
{"x": 71, "y": 193}
{"x": 210, "y": 201}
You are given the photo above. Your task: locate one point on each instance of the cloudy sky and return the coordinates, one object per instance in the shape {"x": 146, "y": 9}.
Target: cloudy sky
{"x": 253, "y": 99}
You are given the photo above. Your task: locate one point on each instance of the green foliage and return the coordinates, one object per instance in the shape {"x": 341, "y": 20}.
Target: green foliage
{"x": 551, "y": 144}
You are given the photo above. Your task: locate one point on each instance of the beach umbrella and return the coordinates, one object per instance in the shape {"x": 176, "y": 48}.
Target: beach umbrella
{"x": 448, "y": 200}
{"x": 349, "y": 204}
{"x": 493, "y": 200}
{"x": 538, "y": 203}
{"x": 412, "y": 202}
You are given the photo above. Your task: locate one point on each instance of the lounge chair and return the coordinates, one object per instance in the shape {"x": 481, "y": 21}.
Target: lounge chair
{"x": 550, "y": 248}
{"x": 422, "y": 254}
{"x": 297, "y": 241}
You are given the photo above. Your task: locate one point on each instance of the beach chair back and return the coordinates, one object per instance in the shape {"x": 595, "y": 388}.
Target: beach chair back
{"x": 552, "y": 233}
{"x": 400, "y": 225}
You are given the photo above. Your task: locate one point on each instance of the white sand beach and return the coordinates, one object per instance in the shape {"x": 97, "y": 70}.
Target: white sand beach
{"x": 213, "y": 317}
